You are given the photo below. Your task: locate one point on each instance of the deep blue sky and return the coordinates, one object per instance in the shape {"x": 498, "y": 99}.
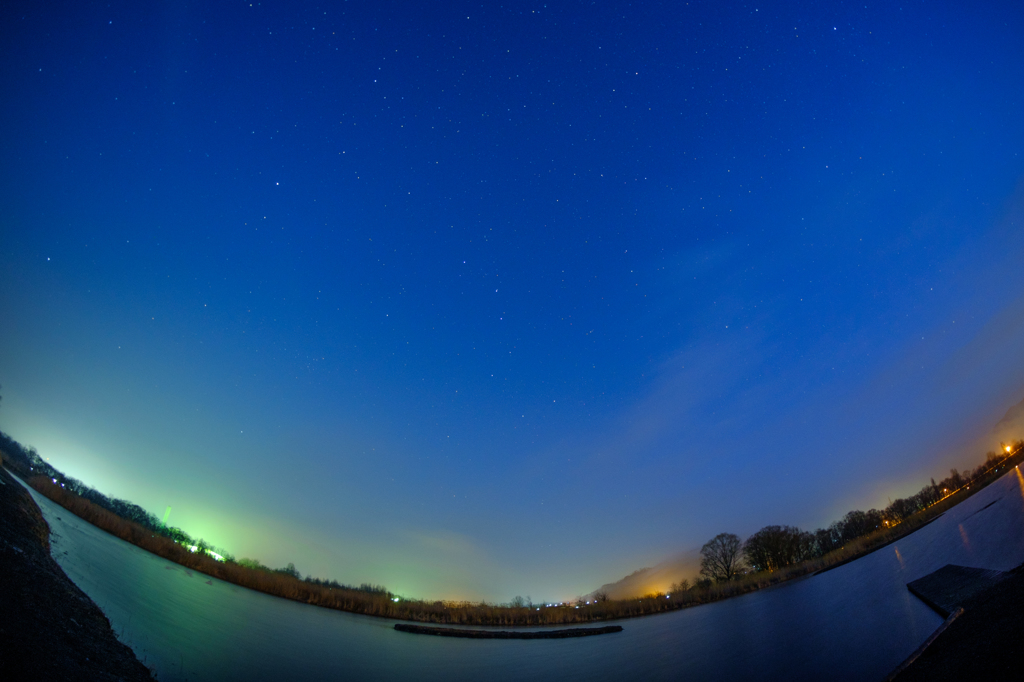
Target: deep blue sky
{"x": 476, "y": 300}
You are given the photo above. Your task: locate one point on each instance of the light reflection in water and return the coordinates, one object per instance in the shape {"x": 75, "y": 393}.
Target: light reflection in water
{"x": 963, "y": 536}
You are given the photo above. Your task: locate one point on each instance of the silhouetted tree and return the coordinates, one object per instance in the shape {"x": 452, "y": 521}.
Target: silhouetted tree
{"x": 825, "y": 541}
{"x": 774, "y": 547}
{"x": 720, "y": 557}
{"x": 858, "y": 523}
{"x": 289, "y": 570}
{"x": 374, "y": 589}
{"x": 955, "y": 479}
{"x": 252, "y": 563}
{"x": 178, "y": 535}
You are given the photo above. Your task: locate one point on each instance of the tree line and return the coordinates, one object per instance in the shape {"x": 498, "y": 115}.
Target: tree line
{"x": 26, "y": 462}
{"x": 726, "y": 556}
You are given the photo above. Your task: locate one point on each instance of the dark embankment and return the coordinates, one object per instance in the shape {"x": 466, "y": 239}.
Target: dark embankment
{"x": 506, "y": 634}
{"x": 983, "y": 643}
{"x": 49, "y": 629}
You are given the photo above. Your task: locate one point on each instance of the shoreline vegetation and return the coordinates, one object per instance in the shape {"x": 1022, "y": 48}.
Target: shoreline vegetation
{"x": 729, "y": 567}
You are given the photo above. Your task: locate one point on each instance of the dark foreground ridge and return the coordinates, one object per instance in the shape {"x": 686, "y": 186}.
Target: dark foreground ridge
{"x": 49, "y": 629}
{"x": 948, "y": 588}
{"x": 979, "y": 641}
{"x": 506, "y": 634}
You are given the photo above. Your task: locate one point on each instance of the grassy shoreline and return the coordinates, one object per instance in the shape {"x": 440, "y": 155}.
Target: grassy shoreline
{"x": 384, "y": 605}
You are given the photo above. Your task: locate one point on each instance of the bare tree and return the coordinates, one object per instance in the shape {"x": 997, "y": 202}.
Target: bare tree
{"x": 680, "y": 587}
{"x": 773, "y": 547}
{"x": 720, "y": 557}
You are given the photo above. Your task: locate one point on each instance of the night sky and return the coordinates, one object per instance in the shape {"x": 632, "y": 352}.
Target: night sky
{"x": 476, "y": 300}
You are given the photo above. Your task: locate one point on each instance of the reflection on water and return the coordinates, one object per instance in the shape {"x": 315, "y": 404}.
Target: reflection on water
{"x": 963, "y": 536}
{"x": 856, "y": 622}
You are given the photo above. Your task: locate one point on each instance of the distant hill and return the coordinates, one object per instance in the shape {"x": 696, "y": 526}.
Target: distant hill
{"x": 1011, "y": 426}
{"x": 658, "y": 578}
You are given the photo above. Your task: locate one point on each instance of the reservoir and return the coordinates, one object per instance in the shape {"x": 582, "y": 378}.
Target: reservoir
{"x": 856, "y": 622}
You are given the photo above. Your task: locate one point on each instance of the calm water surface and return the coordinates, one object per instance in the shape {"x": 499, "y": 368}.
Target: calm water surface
{"x": 856, "y": 622}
